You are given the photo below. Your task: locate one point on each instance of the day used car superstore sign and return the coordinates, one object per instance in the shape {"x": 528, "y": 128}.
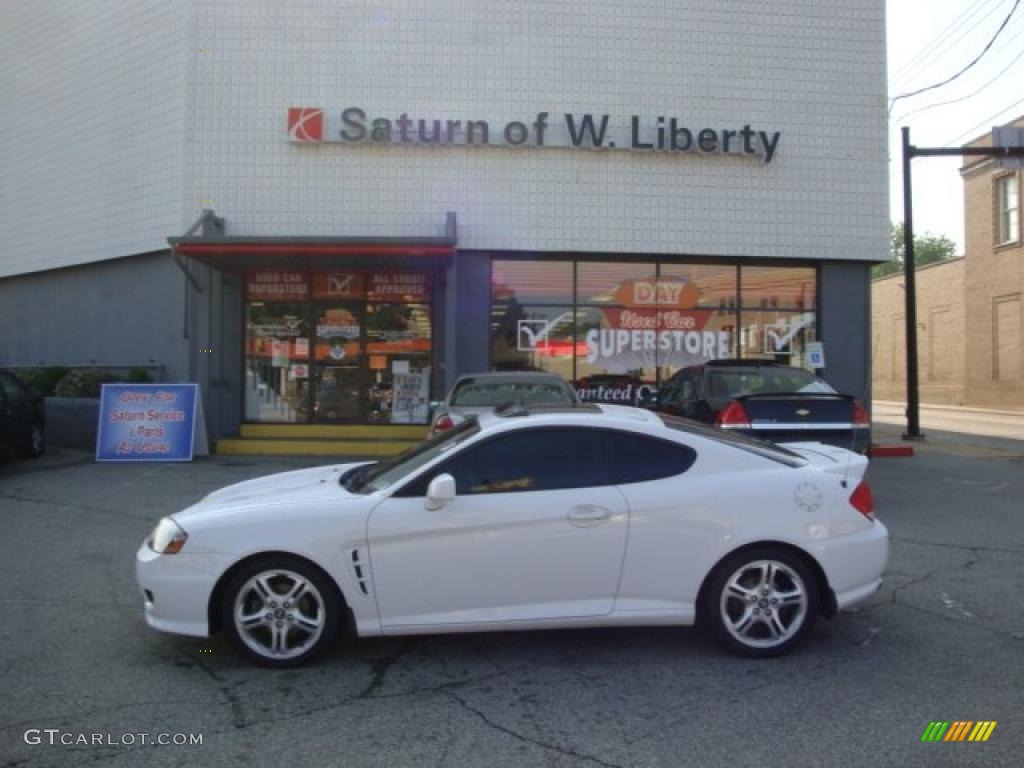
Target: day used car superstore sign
{"x": 661, "y": 133}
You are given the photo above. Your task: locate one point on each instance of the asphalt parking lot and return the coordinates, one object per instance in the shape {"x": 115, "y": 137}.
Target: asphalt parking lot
{"x": 943, "y": 640}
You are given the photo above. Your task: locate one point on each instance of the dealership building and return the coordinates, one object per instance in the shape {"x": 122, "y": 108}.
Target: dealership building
{"x": 324, "y": 212}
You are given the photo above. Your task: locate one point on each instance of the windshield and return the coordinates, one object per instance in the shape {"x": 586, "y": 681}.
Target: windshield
{"x": 752, "y": 445}
{"x": 376, "y": 477}
{"x": 474, "y": 394}
{"x": 754, "y": 381}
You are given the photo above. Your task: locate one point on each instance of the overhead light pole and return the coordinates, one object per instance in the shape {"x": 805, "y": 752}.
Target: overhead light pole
{"x": 910, "y": 294}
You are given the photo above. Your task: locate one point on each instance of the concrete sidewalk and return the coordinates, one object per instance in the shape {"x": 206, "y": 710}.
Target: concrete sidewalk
{"x": 1008, "y": 425}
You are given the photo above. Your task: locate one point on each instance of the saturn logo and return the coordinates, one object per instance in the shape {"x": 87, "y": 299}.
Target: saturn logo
{"x": 305, "y": 124}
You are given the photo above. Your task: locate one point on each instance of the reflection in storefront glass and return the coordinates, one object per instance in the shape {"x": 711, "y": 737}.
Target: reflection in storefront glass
{"x": 636, "y": 323}
{"x": 779, "y": 288}
{"x": 276, "y": 361}
{"x": 614, "y": 282}
{"x": 532, "y": 339}
{"x": 531, "y": 282}
{"x": 779, "y": 335}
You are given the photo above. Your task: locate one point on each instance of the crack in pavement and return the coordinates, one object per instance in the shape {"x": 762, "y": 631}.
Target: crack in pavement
{"x": 564, "y": 751}
{"x": 975, "y": 558}
{"x": 381, "y": 667}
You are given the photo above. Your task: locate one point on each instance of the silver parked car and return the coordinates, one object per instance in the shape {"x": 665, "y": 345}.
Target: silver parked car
{"x": 483, "y": 392}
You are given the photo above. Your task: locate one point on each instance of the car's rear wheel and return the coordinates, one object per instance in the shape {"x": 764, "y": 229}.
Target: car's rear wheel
{"x": 281, "y": 611}
{"x": 35, "y": 445}
{"x": 761, "y": 602}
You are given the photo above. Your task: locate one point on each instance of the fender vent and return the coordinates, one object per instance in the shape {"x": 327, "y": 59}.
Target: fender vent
{"x": 361, "y": 570}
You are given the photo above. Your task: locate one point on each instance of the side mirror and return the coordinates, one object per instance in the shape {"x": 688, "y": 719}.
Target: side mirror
{"x": 440, "y": 491}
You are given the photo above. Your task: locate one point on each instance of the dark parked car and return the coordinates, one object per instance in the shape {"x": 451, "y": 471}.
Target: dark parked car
{"x": 769, "y": 401}
{"x": 22, "y": 417}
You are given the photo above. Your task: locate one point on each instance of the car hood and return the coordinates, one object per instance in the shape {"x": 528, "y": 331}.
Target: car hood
{"x": 297, "y": 486}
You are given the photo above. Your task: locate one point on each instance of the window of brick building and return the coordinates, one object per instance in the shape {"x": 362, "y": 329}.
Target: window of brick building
{"x": 1008, "y": 211}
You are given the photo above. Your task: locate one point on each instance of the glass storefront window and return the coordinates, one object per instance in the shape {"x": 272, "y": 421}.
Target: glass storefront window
{"x": 614, "y": 282}
{"x": 398, "y": 346}
{"x": 360, "y": 351}
{"x": 536, "y": 338}
{"x": 276, "y": 361}
{"x": 634, "y": 324}
{"x": 779, "y": 335}
{"x": 714, "y": 284}
{"x": 531, "y": 282}
{"x": 779, "y": 288}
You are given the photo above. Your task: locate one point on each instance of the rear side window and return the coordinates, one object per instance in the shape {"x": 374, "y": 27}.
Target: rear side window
{"x": 751, "y": 445}
{"x": 637, "y": 459}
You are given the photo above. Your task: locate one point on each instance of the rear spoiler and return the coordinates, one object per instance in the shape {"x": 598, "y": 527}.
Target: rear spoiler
{"x": 831, "y": 460}
{"x": 790, "y": 395}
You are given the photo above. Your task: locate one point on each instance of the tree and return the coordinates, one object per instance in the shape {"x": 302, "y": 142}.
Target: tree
{"x": 928, "y": 249}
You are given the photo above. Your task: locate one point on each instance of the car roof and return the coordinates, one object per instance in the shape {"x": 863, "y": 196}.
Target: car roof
{"x": 584, "y": 414}
{"x": 510, "y": 376}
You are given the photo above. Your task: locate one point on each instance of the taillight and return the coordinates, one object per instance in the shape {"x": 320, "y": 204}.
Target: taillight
{"x": 860, "y": 415}
{"x": 862, "y": 499}
{"x": 444, "y": 422}
{"x": 733, "y": 416}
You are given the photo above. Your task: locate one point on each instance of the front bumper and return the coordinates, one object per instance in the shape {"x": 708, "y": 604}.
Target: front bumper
{"x": 176, "y": 590}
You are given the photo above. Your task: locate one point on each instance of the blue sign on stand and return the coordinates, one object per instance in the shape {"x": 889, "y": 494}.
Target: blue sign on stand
{"x": 147, "y": 422}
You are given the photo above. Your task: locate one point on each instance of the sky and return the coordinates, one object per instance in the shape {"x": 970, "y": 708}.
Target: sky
{"x": 928, "y": 42}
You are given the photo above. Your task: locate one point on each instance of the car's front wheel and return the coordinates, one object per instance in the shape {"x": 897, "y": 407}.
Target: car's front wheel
{"x": 761, "y": 602}
{"x": 280, "y": 611}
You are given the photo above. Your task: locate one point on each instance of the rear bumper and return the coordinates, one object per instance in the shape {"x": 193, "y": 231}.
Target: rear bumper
{"x": 854, "y": 564}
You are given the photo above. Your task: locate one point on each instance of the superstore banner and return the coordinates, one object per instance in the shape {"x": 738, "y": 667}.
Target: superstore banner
{"x": 658, "y": 323}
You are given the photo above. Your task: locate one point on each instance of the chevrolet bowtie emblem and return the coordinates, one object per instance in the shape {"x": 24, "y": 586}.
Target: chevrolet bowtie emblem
{"x": 802, "y": 412}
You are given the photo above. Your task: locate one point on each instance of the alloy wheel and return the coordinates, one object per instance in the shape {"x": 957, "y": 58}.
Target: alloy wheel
{"x": 279, "y": 614}
{"x": 764, "y": 604}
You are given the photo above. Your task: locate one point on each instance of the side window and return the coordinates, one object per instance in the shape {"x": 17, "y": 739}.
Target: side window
{"x": 525, "y": 460}
{"x": 636, "y": 458}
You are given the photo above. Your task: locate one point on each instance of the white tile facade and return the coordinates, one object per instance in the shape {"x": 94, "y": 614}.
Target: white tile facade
{"x": 190, "y": 111}
{"x": 92, "y": 95}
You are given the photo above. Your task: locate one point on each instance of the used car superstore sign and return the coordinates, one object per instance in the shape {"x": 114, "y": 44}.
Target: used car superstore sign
{"x": 353, "y": 125}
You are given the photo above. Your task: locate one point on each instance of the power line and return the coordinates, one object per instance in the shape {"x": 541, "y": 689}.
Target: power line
{"x": 933, "y": 49}
{"x": 971, "y": 64}
{"x": 982, "y": 124}
{"x": 962, "y": 98}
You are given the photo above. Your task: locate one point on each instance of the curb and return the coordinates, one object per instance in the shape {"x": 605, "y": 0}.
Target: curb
{"x": 890, "y": 451}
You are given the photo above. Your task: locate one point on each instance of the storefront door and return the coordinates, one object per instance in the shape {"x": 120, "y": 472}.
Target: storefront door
{"x": 338, "y": 347}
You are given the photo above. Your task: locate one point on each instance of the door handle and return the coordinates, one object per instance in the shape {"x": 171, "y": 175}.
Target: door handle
{"x": 585, "y": 515}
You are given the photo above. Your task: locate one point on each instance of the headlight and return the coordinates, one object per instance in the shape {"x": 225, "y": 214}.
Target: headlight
{"x": 167, "y": 538}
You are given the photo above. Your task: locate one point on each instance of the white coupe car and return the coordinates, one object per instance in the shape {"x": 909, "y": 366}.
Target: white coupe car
{"x": 559, "y": 517}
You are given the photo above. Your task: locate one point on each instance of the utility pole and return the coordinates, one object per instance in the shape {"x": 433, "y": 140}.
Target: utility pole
{"x": 910, "y": 294}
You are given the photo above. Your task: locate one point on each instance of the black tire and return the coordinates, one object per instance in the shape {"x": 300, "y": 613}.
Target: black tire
{"x": 274, "y": 617}
{"x": 738, "y": 608}
{"x": 35, "y": 444}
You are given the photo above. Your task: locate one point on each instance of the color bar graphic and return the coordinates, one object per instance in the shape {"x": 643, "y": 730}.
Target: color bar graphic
{"x": 958, "y": 730}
